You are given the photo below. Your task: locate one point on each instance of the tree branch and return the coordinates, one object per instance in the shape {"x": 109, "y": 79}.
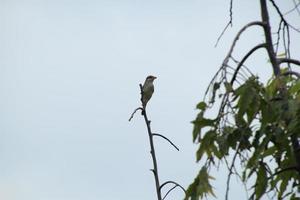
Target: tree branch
{"x": 268, "y": 37}
{"x": 170, "y": 190}
{"x": 255, "y": 23}
{"x": 230, "y": 172}
{"x": 275, "y": 65}
{"x": 288, "y": 60}
{"x": 139, "y": 108}
{"x": 288, "y": 73}
{"x": 244, "y": 59}
{"x": 282, "y": 17}
{"x": 228, "y": 24}
{"x": 164, "y": 137}
{"x": 154, "y": 160}
{"x": 173, "y": 182}
{"x": 229, "y": 54}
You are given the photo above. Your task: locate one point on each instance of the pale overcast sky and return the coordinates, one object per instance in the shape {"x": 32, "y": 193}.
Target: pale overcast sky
{"x": 69, "y": 75}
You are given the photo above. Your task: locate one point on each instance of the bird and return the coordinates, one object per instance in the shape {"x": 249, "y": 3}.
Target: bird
{"x": 147, "y": 89}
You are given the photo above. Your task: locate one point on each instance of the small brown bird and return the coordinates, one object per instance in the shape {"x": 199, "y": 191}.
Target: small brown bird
{"x": 147, "y": 89}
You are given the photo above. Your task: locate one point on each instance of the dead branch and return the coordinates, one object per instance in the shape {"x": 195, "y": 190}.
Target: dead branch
{"x": 282, "y": 17}
{"x": 164, "y": 137}
{"x": 228, "y": 24}
{"x": 255, "y": 23}
{"x": 172, "y": 182}
{"x": 139, "y": 108}
{"x": 244, "y": 59}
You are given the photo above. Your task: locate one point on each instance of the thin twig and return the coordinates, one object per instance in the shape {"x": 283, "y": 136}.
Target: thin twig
{"x": 227, "y": 25}
{"x": 164, "y": 137}
{"x": 244, "y": 59}
{"x": 170, "y": 190}
{"x": 255, "y": 23}
{"x": 139, "y": 108}
{"x": 282, "y": 17}
{"x": 296, "y": 5}
{"x": 230, "y": 172}
{"x": 229, "y": 54}
{"x": 171, "y": 182}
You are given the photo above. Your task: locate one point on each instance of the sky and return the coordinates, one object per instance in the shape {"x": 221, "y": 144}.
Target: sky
{"x": 69, "y": 76}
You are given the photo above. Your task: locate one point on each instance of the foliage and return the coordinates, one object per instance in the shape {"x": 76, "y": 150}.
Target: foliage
{"x": 257, "y": 122}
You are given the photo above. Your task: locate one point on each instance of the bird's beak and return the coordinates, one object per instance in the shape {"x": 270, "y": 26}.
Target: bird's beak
{"x": 154, "y": 77}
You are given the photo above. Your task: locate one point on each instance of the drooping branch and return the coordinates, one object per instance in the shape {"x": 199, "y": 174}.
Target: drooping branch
{"x": 255, "y": 23}
{"x": 172, "y": 182}
{"x": 170, "y": 190}
{"x": 288, "y": 73}
{"x": 229, "y": 54}
{"x": 139, "y": 108}
{"x": 244, "y": 59}
{"x": 288, "y": 60}
{"x": 164, "y": 137}
{"x": 228, "y": 24}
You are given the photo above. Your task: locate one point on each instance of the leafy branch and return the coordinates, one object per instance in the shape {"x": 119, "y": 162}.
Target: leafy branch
{"x": 258, "y": 122}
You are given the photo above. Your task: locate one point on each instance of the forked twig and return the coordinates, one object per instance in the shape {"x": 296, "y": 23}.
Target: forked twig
{"x": 171, "y": 182}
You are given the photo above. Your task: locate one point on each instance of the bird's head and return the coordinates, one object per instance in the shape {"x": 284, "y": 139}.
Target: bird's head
{"x": 150, "y": 78}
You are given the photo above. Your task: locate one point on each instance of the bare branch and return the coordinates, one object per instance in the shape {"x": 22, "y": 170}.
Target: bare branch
{"x": 170, "y": 190}
{"x": 296, "y": 5}
{"x": 164, "y": 137}
{"x": 152, "y": 149}
{"x": 244, "y": 59}
{"x": 139, "y": 108}
{"x": 231, "y": 172}
{"x": 227, "y": 25}
{"x": 222, "y": 33}
{"x": 171, "y": 182}
{"x": 288, "y": 73}
{"x": 155, "y": 169}
{"x": 282, "y": 17}
{"x": 229, "y": 54}
{"x": 255, "y": 23}
{"x": 288, "y": 60}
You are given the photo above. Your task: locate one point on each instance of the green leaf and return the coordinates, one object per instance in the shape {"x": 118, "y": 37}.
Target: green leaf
{"x": 201, "y": 186}
{"x": 270, "y": 151}
{"x": 206, "y": 145}
{"x": 248, "y": 100}
{"x": 294, "y": 89}
{"x": 228, "y": 87}
{"x": 201, "y": 106}
{"x": 199, "y": 123}
{"x": 261, "y": 181}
